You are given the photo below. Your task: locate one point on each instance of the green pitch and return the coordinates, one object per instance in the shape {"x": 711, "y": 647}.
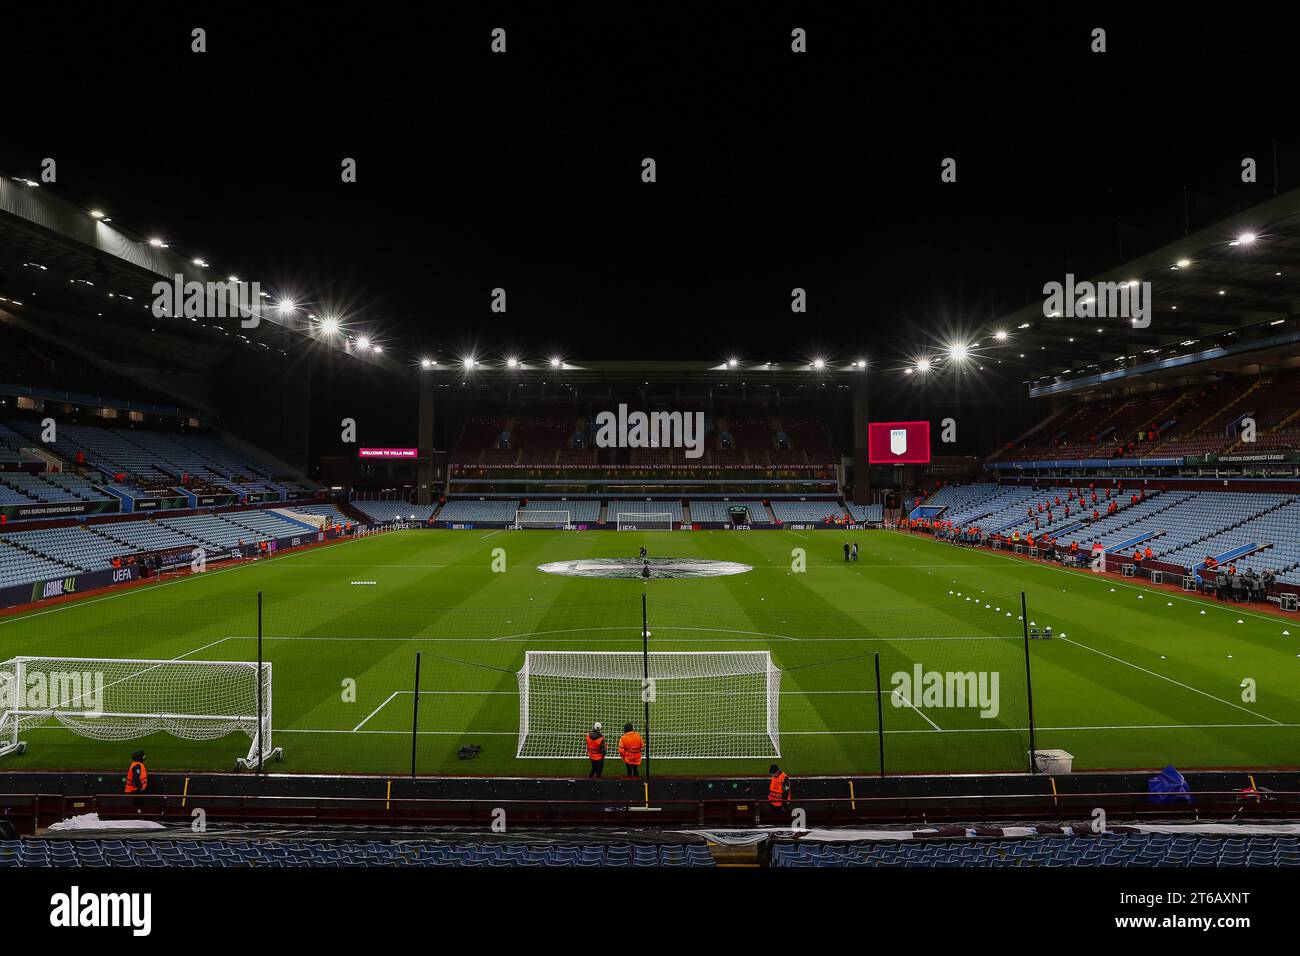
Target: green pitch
{"x": 1135, "y": 678}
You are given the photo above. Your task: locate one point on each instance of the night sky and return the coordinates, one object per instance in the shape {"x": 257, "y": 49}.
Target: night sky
{"x": 775, "y": 169}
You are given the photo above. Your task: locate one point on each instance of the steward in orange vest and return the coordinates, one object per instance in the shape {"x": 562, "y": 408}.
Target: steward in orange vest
{"x": 137, "y": 775}
{"x": 630, "y": 746}
{"x": 596, "y": 750}
{"x": 778, "y": 788}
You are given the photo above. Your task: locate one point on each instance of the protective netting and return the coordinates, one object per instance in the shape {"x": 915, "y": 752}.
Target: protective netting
{"x": 648, "y": 521}
{"x": 534, "y": 518}
{"x": 703, "y": 704}
{"x": 123, "y": 699}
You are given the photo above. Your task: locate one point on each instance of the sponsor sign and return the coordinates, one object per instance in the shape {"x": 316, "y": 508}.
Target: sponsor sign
{"x": 67, "y": 586}
{"x": 389, "y": 453}
{"x": 58, "y": 509}
{"x": 898, "y": 443}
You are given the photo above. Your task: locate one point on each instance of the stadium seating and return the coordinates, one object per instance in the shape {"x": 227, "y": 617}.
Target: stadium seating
{"x": 584, "y": 511}
{"x": 806, "y": 512}
{"x": 807, "y": 436}
{"x": 18, "y": 566}
{"x": 540, "y": 439}
{"x": 265, "y": 524}
{"x": 472, "y": 510}
{"x": 328, "y": 512}
{"x": 207, "y": 530}
{"x": 1128, "y": 850}
{"x": 617, "y": 507}
{"x": 1188, "y": 422}
{"x": 144, "y": 536}
{"x": 394, "y": 510}
{"x": 705, "y": 510}
{"x": 149, "y": 458}
{"x": 227, "y": 853}
{"x": 865, "y": 513}
{"x": 77, "y": 548}
{"x": 478, "y": 435}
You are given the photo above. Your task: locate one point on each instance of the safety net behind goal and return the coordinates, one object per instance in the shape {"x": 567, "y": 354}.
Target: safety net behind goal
{"x": 706, "y": 704}
{"x": 124, "y": 699}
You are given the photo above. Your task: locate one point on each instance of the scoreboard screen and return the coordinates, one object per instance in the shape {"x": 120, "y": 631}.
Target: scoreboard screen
{"x": 898, "y": 443}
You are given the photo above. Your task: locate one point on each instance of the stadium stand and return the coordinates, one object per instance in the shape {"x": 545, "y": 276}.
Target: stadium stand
{"x": 625, "y": 507}
{"x": 806, "y": 512}
{"x": 312, "y": 853}
{"x": 328, "y": 512}
{"x": 807, "y": 439}
{"x": 540, "y": 439}
{"x": 144, "y": 536}
{"x": 480, "y": 434}
{"x": 583, "y": 511}
{"x": 1128, "y": 850}
{"x": 395, "y": 510}
{"x": 865, "y": 513}
{"x": 720, "y": 511}
{"x": 148, "y": 458}
{"x": 267, "y": 524}
{"x": 76, "y": 547}
{"x": 18, "y": 566}
{"x": 463, "y": 510}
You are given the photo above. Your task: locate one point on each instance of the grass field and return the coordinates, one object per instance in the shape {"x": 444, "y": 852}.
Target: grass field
{"x": 1135, "y": 677}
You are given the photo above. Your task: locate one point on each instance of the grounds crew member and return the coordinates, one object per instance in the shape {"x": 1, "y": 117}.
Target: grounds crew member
{"x": 778, "y": 787}
{"x": 846, "y": 550}
{"x": 630, "y": 746}
{"x": 596, "y": 750}
{"x": 137, "y": 775}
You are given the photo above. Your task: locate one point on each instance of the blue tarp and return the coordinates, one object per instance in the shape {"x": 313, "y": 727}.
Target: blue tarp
{"x": 1169, "y": 786}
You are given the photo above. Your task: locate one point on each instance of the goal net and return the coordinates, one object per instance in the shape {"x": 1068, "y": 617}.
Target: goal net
{"x": 115, "y": 699}
{"x": 650, "y": 521}
{"x": 529, "y": 518}
{"x": 702, "y": 704}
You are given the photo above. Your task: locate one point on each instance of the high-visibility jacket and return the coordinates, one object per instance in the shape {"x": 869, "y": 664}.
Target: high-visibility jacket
{"x": 137, "y": 777}
{"x": 629, "y": 747}
{"x": 776, "y": 788}
{"x": 596, "y": 747}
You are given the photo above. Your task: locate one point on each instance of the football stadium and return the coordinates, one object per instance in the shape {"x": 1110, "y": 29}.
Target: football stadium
{"x": 601, "y": 519}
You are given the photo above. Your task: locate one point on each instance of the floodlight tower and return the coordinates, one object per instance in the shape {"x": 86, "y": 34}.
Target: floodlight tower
{"x": 861, "y": 462}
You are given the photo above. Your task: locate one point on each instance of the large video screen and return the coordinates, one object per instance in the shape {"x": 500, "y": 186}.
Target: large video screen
{"x": 898, "y": 443}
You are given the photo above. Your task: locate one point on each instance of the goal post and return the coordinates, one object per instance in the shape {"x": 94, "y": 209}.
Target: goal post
{"x": 536, "y": 518}
{"x": 649, "y": 521}
{"x": 123, "y": 699}
{"x": 705, "y": 704}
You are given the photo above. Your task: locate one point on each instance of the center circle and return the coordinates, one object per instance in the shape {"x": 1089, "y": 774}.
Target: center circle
{"x": 636, "y": 568}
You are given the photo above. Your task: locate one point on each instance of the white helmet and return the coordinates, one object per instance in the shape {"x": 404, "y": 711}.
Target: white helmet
{"x": 596, "y": 726}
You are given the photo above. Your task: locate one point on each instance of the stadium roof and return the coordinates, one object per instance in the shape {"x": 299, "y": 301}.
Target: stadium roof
{"x": 1222, "y": 298}
{"x": 58, "y": 257}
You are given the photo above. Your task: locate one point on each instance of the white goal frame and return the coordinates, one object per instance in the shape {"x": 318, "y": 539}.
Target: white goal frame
{"x": 704, "y": 704}
{"x": 640, "y": 521}
{"x": 523, "y": 514}
{"x": 123, "y": 681}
